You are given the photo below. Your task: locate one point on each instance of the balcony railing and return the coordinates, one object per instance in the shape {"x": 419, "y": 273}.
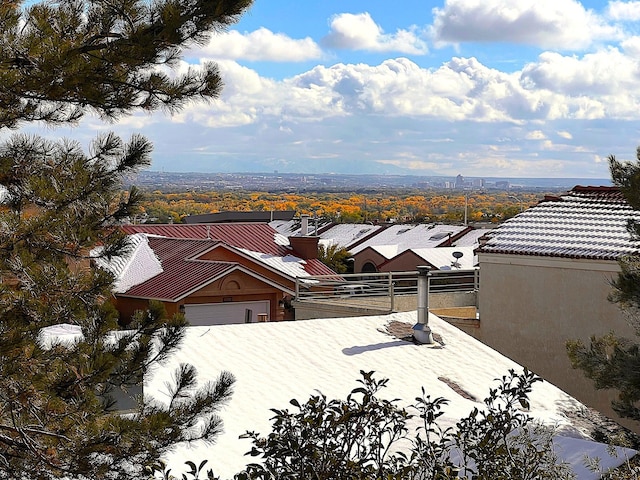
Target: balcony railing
{"x": 382, "y": 290}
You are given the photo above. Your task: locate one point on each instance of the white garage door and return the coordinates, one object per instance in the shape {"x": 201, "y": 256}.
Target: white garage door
{"x": 225, "y": 313}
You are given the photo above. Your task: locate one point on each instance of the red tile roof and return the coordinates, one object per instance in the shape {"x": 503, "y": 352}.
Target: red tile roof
{"x": 183, "y": 274}
{"x": 316, "y": 267}
{"x": 257, "y": 237}
{"x": 180, "y": 275}
{"x": 586, "y": 222}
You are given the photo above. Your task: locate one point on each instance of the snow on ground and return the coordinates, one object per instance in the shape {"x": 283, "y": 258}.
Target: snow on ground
{"x": 275, "y": 362}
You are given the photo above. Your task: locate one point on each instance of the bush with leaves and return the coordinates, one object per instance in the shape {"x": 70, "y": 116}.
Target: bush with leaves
{"x": 368, "y": 437}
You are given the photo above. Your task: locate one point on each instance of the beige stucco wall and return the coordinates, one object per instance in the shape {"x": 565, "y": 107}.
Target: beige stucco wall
{"x": 530, "y": 306}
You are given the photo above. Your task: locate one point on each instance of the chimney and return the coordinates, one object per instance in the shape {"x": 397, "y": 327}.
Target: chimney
{"x": 305, "y": 247}
{"x": 421, "y": 330}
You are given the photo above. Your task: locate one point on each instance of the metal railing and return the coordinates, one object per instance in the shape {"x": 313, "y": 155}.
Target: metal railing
{"x": 377, "y": 289}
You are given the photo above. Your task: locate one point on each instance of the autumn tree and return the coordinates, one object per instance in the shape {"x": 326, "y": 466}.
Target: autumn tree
{"x": 58, "y": 62}
{"x": 612, "y": 361}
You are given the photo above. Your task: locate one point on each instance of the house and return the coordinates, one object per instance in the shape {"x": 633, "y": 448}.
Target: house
{"x": 373, "y": 252}
{"x": 274, "y": 363}
{"x": 346, "y": 235}
{"x": 442, "y": 258}
{"x": 234, "y": 216}
{"x": 221, "y": 273}
{"x": 545, "y": 278}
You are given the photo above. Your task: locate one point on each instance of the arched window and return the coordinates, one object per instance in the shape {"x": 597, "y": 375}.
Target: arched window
{"x": 369, "y": 267}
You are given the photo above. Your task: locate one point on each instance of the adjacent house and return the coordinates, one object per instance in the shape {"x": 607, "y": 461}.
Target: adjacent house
{"x": 374, "y": 251}
{"x": 243, "y": 217}
{"x": 214, "y": 274}
{"x": 274, "y": 363}
{"x": 545, "y": 278}
{"x": 441, "y": 258}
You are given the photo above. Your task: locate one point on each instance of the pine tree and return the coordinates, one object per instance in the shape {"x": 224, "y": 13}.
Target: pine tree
{"x": 612, "y": 361}
{"x": 58, "y": 62}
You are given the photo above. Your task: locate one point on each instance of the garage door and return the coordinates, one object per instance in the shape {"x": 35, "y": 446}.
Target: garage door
{"x": 225, "y": 313}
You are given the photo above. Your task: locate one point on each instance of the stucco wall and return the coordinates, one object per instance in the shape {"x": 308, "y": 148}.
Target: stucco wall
{"x": 366, "y": 255}
{"x": 530, "y": 306}
{"x": 405, "y": 262}
{"x": 235, "y": 287}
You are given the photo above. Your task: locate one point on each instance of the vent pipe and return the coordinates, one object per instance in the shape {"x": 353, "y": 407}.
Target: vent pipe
{"x": 421, "y": 330}
{"x": 304, "y": 225}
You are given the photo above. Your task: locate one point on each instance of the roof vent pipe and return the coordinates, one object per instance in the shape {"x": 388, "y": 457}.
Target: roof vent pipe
{"x": 304, "y": 225}
{"x": 421, "y": 330}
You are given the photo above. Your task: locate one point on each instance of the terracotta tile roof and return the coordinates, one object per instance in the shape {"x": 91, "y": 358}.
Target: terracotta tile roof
{"x": 180, "y": 274}
{"x": 586, "y": 222}
{"x": 257, "y": 237}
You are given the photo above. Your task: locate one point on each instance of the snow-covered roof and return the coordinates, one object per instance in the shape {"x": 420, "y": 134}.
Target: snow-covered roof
{"x": 285, "y": 227}
{"x": 293, "y": 227}
{"x": 388, "y": 251}
{"x": 289, "y": 264}
{"x": 471, "y": 238}
{"x": 587, "y": 222}
{"x": 137, "y": 265}
{"x": 275, "y": 362}
{"x": 345, "y": 234}
{"x": 405, "y": 237}
{"x": 442, "y": 257}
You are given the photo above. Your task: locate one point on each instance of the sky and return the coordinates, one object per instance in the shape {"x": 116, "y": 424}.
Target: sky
{"x": 493, "y": 88}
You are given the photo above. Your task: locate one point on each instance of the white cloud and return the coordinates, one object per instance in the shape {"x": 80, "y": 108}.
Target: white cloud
{"x": 415, "y": 164}
{"x": 260, "y": 45}
{"x": 631, "y": 46}
{"x": 360, "y": 32}
{"x": 563, "y": 24}
{"x": 624, "y": 11}
{"x": 502, "y": 166}
{"x": 598, "y": 85}
{"x": 536, "y": 135}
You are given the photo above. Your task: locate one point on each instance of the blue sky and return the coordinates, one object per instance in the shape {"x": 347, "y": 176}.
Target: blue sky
{"x": 500, "y": 88}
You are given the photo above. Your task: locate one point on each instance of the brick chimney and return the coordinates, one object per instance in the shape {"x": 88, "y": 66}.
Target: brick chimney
{"x": 304, "y": 245}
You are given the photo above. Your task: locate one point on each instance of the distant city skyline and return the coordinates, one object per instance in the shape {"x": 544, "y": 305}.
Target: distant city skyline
{"x": 275, "y": 181}
{"x": 533, "y": 88}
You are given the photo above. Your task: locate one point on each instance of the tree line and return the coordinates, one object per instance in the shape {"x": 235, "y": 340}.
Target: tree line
{"x": 391, "y": 206}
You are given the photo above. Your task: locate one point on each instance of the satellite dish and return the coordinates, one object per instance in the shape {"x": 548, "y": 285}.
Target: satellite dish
{"x": 457, "y": 255}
